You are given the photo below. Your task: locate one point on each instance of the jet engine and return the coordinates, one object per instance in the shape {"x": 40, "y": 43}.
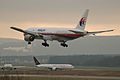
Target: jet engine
{"x": 29, "y": 38}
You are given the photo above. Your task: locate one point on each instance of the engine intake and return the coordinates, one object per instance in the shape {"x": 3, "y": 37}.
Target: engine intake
{"x": 29, "y": 38}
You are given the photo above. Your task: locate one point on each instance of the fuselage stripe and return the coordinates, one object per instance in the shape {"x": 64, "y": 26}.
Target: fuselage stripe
{"x": 63, "y": 35}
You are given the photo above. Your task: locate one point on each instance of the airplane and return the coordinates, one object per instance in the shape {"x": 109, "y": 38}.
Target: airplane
{"x": 61, "y": 35}
{"x": 8, "y": 67}
{"x": 52, "y": 66}
{"x": 11, "y": 67}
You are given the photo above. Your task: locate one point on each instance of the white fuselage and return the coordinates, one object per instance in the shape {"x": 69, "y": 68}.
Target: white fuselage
{"x": 56, "y": 66}
{"x": 59, "y": 34}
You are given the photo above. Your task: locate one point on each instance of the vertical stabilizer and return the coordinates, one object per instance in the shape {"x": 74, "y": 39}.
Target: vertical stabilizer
{"x": 36, "y": 61}
{"x": 82, "y": 23}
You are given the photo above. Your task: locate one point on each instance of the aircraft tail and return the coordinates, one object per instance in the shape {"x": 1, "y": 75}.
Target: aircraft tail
{"x": 36, "y": 61}
{"x": 82, "y": 23}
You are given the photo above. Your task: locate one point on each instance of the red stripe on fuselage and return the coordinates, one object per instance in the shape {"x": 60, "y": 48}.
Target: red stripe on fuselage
{"x": 69, "y": 35}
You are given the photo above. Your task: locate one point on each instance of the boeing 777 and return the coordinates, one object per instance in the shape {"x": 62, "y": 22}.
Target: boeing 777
{"x": 61, "y": 35}
{"x": 53, "y": 66}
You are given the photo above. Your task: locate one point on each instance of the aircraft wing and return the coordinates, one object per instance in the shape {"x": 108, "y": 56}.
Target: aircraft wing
{"x": 26, "y": 32}
{"x": 96, "y": 32}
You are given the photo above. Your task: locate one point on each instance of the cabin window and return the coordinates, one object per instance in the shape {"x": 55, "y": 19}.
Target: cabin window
{"x": 41, "y": 29}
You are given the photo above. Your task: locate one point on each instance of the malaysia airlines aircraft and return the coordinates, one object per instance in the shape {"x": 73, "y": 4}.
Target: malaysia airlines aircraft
{"x": 53, "y": 66}
{"x": 61, "y": 35}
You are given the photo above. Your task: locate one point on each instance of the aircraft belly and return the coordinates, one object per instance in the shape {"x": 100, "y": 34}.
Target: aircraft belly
{"x": 58, "y": 37}
{"x": 64, "y": 38}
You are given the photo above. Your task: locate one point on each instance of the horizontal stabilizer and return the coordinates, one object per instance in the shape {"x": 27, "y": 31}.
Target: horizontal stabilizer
{"x": 96, "y": 32}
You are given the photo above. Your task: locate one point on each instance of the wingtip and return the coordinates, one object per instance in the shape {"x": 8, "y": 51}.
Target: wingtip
{"x": 12, "y": 27}
{"x": 112, "y": 30}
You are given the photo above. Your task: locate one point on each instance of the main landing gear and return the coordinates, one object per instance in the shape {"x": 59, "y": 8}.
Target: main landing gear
{"x": 64, "y": 45}
{"x": 45, "y": 44}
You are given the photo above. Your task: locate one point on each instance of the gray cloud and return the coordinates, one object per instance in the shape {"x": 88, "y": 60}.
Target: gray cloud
{"x": 17, "y": 49}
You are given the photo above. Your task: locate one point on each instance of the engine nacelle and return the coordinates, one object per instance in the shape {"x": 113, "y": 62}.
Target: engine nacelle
{"x": 54, "y": 68}
{"x": 29, "y": 38}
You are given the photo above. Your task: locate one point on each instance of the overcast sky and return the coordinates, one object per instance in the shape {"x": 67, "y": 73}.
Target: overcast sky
{"x": 104, "y": 14}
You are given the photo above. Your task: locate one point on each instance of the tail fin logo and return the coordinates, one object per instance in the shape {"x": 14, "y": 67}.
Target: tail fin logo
{"x": 82, "y": 21}
{"x": 36, "y": 62}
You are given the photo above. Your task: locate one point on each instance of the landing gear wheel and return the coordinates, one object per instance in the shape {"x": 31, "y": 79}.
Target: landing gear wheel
{"x": 29, "y": 42}
{"x": 64, "y": 45}
{"x": 45, "y": 44}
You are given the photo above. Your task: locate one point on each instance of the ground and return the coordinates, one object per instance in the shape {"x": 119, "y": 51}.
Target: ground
{"x": 80, "y": 74}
